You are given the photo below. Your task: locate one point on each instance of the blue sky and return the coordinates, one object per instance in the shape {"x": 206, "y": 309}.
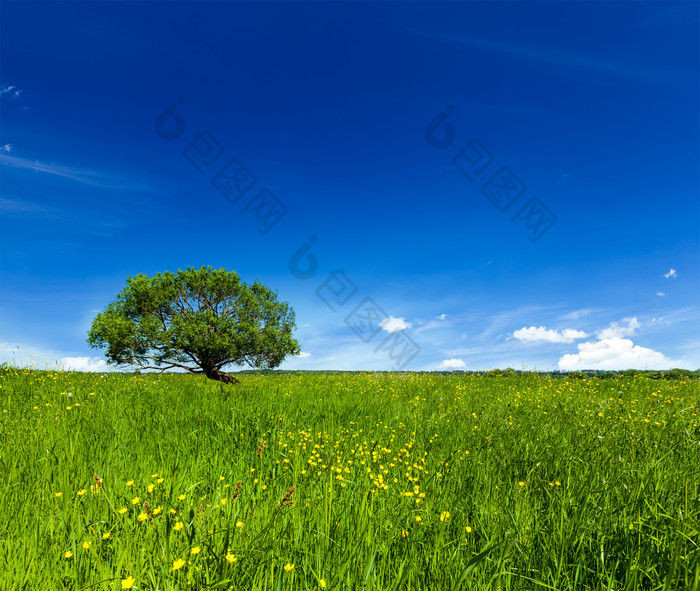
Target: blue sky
{"x": 430, "y": 185}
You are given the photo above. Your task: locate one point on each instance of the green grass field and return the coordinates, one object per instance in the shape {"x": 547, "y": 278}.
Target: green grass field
{"x": 348, "y": 481}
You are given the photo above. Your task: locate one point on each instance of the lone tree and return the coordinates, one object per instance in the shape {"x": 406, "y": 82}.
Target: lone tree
{"x": 200, "y": 320}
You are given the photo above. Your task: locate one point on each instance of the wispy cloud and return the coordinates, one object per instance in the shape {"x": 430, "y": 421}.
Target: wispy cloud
{"x": 15, "y": 206}
{"x": 80, "y": 175}
{"x": 551, "y": 57}
{"x": 576, "y": 314}
{"x": 672, "y": 274}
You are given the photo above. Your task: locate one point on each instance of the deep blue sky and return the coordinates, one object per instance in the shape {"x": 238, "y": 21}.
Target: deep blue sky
{"x": 591, "y": 106}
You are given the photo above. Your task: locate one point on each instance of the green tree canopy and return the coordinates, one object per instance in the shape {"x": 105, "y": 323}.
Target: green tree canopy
{"x": 200, "y": 320}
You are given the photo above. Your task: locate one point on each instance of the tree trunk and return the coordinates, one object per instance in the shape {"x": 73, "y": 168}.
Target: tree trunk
{"x": 216, "y": 374}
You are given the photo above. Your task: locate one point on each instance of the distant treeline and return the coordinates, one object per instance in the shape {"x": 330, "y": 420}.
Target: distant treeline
{"x": 669, "y": 374}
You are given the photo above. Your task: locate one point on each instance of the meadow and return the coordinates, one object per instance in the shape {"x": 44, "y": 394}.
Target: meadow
{"x": 348, "y": 481}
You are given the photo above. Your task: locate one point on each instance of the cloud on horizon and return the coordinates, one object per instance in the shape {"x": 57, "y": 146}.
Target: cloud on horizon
{"x": 615, "y": 353}
{"x": 451, "y": 365}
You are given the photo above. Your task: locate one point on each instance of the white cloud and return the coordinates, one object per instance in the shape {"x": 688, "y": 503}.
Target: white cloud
{"x": 12, "y": 91}
{"x": 6, "y": 148}
{"x": 303, "y": 355}
{"x": 616, "y": 330}
{"x": 537, "y": 334}
{"x": 391, "y": 324}
{"x": 615, "y": 353}
{"x": 672, "y": 274}
{"x": 441, "y": 317}
{"x": 451, "y": 365}
{"x": 83, "y": 364}
{"x": 660, "y": 293}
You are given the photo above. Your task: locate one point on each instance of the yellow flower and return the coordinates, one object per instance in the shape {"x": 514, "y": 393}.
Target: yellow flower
{"x": 130, "y": 483}
{"x": 557, "y": 483}
{"x": 239, "y": 524}
{"x": 105, "y": 535}
{"x": 322, "y": 584}
{"x": 469, "y": 529}
{"x": 222, "y": 478}
{"x": 195, "y": 550}
{"x": 135, "y": 501}
{"x": 142, "y": 516}
{"x": 288, "y": 567}
{"x": 58, "y": 494}
{"x": 223, "y": 501}
{"x": 418, "y": 519}
{"x": 128, "y": 583}
{"x": 404, "y": 533}
{"x": 81, "y": 492}
{"x": 150, "y": 487}
{"x": 154, "y": 475}
{"x": 178, "y": 564}
{"x": 230, "y": 558}
{"x": 182, "y": 497}
{"x": 178, "y": 526}
{"x": 444, "y": 516}
{"x": 86, "y": 545}
{"x": 123, "y": 510}
{"x": 160, "y": 480}
{"x": 68, "y": 554}
{"x": 157, "y": 510}
{"x": 521, "y": 483}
